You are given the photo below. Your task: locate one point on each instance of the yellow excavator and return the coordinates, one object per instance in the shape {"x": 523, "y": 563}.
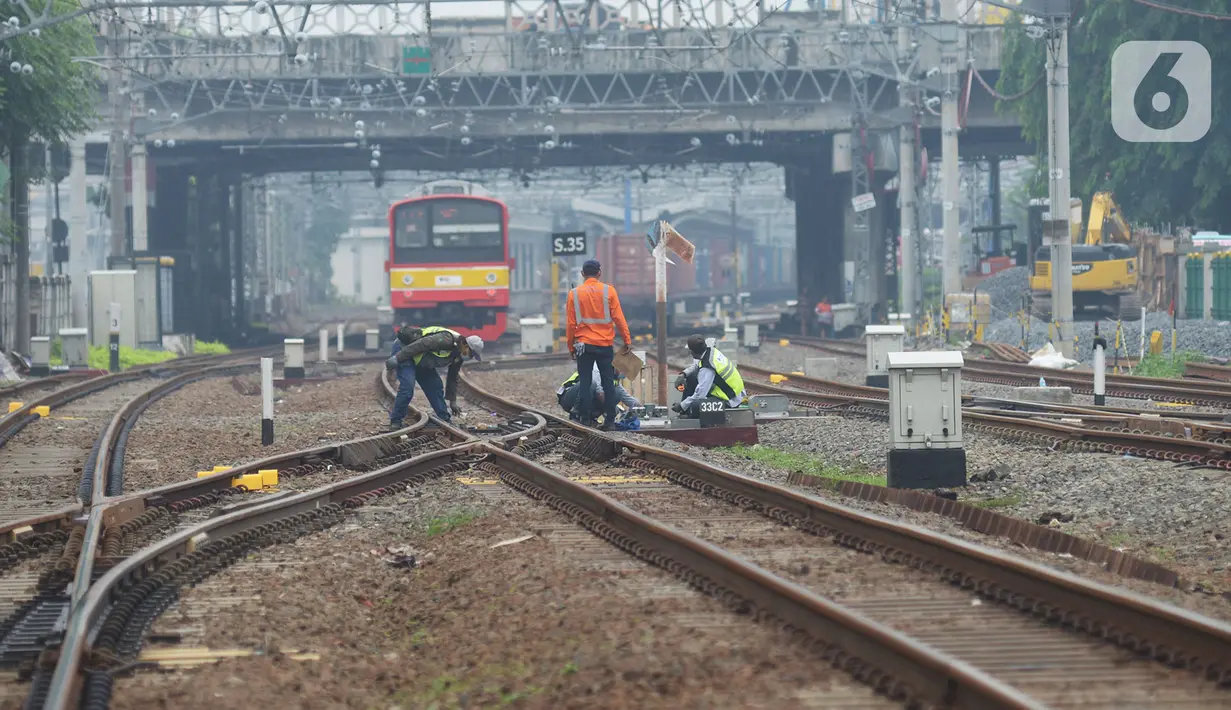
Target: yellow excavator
{"x": 1104, "y": 267}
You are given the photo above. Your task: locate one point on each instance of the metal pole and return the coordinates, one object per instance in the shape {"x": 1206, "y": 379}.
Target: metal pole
{"x": 950, "y": 175}
{"x": 140, "y": 219}
{"x": 267, "y": 401}
{"x": 117, "y": 155}
{"x": 1058, "y": 228}
{"x": 555, "y": 301}
{"x": 660, "y": 331}
{"x": 906, "y": 188}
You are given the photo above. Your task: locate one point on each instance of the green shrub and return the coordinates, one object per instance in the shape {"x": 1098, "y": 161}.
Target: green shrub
{"x": 209, "y": 347}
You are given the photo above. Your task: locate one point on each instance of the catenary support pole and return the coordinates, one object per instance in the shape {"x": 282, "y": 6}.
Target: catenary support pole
{"x": 1058, "y": 229}
{"x": 951, "y": 243}
{"x": 660, "y": 328}
{"x": 906, "y": 185}
{"x": 117, "y": 151}
{"x": 267, "y": 401}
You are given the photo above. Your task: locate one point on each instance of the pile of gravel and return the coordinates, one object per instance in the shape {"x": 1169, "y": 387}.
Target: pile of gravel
{"x": 1006, "y": 288}
{"x": 1211, "y": 338}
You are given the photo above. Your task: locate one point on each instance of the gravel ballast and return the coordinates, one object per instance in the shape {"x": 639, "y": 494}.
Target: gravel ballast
{"x": 1157, "y": 510}
{"x": 210, "y": 423}
{"x": 1208, "y": 337}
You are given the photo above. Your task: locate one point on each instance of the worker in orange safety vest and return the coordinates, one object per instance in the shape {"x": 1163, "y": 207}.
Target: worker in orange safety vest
{"x": 592, "y": 314}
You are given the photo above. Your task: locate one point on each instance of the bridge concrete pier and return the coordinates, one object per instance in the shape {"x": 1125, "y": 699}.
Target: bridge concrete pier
{"x": 832, "y": 259}
{"x": 198, "y": 221}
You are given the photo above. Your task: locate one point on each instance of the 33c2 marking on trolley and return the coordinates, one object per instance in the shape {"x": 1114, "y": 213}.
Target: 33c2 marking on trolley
{"x": 709, "y": 407}
{"x": 568, "y": 243}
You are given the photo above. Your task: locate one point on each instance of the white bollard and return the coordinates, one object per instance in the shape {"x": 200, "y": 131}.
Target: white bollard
{"x": 1100, "y": 373}
{"x": 324, "y": 342}
{"x": 371, "y": 340}
{"x": 341, "y": 339}
{"x": 267, "y": 401}
{"x": 292, "y": 360}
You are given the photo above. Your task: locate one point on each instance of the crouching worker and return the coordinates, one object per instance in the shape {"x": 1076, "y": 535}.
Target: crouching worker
{"x": 711, "y": 378}
{"x": 569, "y": 396}
{"x": 416, "y": 357}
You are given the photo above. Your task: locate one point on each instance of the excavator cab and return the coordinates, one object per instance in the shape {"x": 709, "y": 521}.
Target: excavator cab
{"x": 1104, "y": 267}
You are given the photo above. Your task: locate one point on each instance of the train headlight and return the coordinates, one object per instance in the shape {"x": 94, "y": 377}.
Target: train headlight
{"x": 491, "y": 277}
{"x": 408, "y": 280}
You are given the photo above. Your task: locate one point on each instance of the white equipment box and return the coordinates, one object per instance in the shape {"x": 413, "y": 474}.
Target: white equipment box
{"x": 107, "y": 287}
{"x": 882, "y": 340}
{"x": 535, "y": 335}
{"x": 925, "y": 400}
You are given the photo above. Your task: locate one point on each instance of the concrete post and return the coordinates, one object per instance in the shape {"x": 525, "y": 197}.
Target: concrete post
{"x": 950, "y": 167}
{"x": 323, "y": 339}
{"x": 79, "y": 260}
{"x": 906, "y": 191}
{"x": 140, "y": 200}
{"x": 1058, "y": 228}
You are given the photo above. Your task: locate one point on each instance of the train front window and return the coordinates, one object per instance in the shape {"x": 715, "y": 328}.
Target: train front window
{"x": 442, "y": 231}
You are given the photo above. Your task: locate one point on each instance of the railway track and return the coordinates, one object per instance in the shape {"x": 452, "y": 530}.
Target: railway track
{"x": 911, "y": 633}
{"x": 1066, "y": 429}
{"x": 1211, "y": 393}
{"x": 71, "y": 468}
{"x": 1207, "y": 371}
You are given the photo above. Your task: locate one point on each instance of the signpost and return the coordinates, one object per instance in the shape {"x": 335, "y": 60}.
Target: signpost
{"x": 113, "y": 343}
{"x": 661, "y": 237}
{"x": 562, "y": 244}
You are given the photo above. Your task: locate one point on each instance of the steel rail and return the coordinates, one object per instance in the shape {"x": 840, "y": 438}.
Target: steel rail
{"x": 1207, "y": 371}
{"x": 1214, "y": 451}
{"x": 1166, "y": 633}
{"x": 1210, "y": 392}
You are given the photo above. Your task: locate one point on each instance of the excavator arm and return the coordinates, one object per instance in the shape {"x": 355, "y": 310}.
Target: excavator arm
{"x": 1106, "y": 225}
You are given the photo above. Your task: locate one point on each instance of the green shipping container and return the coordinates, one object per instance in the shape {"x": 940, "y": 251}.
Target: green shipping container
{"x": 1222, "y": 286}
{"x": 1194, "y": 290}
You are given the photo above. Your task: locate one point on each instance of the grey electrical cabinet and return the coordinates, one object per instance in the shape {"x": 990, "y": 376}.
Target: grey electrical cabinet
{"x": 925, "y": 420}
{"x": 925, "y": 396}
{"x": 882, "y": 340}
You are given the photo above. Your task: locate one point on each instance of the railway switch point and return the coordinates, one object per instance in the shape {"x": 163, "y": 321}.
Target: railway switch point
{"x": 821, "y": 368}
{"x": 925, "y": 420}
{"x": 535, "y": 335}
{"x": 14, "y": 406}
{"x": 882, "y": 340}
{"x": 1047, "y": 395}
{"x": 43, "y": 411}
{"x": 74, "y": 346}
{"x": 292, "y": 359}
{"x": 40, "y": 356}
{"x": 371, "y": 340}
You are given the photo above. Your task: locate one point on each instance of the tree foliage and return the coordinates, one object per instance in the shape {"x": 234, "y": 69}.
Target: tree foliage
{"x": 56, "y": 101}
{"x": 1180, "y": 183}
{"x": 330, "y": 219}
